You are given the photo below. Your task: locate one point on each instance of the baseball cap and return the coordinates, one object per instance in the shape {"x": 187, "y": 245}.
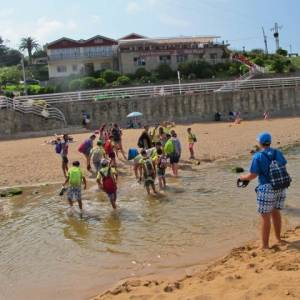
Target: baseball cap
{"x": 264, "y": 138}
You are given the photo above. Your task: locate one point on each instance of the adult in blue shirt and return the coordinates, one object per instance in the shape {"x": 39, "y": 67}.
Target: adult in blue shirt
{"x": 269, "y": 201}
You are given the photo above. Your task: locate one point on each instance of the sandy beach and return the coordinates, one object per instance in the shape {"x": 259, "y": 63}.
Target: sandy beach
{"x": 32, "y": 161}
{"x": 246, "y": 273}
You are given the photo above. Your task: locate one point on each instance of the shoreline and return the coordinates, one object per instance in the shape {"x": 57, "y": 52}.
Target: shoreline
{"x": 246, "y": 272}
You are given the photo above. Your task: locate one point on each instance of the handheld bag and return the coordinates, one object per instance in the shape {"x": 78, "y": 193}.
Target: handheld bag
{"x": 58, "y": 148}
{"x": 279, "y": 176}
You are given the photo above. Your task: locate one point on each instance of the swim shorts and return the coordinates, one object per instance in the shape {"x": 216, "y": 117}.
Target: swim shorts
{"x": 174, "y": 158}
{"x": 149, "y": 181}
{"x": 74, "y": 193}
{"x": 269, "y": 199}
{"x": 161, "y": 172}
{"x": 65, "y": 159}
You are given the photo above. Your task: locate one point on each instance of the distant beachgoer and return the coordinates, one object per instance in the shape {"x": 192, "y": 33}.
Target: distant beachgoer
{"x": 85, "y": 148}
{"x": 192, "y": 140}
{"x": 148, "y": 171}
{"x": 162, "y": 163}
{"x": 116, "y": 134}
{"x": 103, "y": 134}
{"x": 107, "y": 181}
{"x": 144, "y": 140}
{"x": 231, "y": 116}
{"x": 62, "y": 148}
{"x": 155, "y": 137}
{"x": 266, "y": 115}
{"x": 271, "y": 190}
{"x": 238, "y": 119}
{"x": 162, "y": 136}
{"x": 218, "y": 116}
{"x": 97, "y": 154}
{"x": 175, "y": 156}
{"x": 75, "y": 179}
{"x": 110, "y": 151}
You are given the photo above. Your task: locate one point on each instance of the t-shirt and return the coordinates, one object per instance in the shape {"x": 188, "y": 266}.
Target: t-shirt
{"x": 88, "y": 146}
{"x": 169, "y": 147}
{"x": 64, "y": 148}
{"x": 260, "y": 163}
{"x": 191, "y": 138}
{"x": 116, "y": 133}
{"x": 146, "y": 140}
{"x": 177, "y": 146}
{"x": 75, "y": 176}
{"x": 105, "y": 171}
{"x": 97, "y": 153}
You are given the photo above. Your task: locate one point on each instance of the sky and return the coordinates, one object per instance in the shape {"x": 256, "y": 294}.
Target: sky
{"x": 237, "y": 21}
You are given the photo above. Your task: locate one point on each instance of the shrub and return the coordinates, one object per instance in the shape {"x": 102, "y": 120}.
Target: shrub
{"x": 89, "y": 83}
{"x": 141, "y": 72}
{"x": 278, "y": 65}
{"x": 74, "y": 85}
{"x": 110, "y": 76}
{"x": 282, "y": 52}
{"x": 292, "y": 69}
{"x": 49, "y": 89}
{"x": 259, "y": 61}
{"x": 123, "y": 80}
{"x": 101, "y": 83}
{"x": 164, "y": 72}
{"x": 116, "y": 83}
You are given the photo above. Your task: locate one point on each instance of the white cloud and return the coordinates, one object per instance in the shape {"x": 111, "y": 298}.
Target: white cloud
{"x": 174, "y": 21}
{"x": 133, "y": 7}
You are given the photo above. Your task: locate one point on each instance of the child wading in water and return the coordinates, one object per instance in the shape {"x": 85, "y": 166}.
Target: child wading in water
{"x": 97, "y": 154}
{"x": 148, "y": 170}
{"x": 162, "y": 162}
{"x": 192, "y": 140}
{"x": 75, "y": 178}
{"x": 107, "y": 181}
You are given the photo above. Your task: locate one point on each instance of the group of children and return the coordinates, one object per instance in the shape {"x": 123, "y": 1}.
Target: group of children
{"x": 148, "y": 165}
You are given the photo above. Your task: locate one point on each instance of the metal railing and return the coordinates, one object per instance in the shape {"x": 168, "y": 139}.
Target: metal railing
{"x": 29, "y": 106}
{"x": 162, "y": 90}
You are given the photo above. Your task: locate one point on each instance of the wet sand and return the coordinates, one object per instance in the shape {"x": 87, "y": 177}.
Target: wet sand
{"x": 31, "y": 161}
{"x": 246, "y": 273}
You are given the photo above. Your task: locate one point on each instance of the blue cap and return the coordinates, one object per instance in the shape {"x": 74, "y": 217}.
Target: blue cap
{"x": 264, "y": 138}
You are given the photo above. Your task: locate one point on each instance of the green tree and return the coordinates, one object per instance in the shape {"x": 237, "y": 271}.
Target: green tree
{"x": 110, "y": 76}
{"x": 29, "y": 44}
{"x": 39, "y": 53}
{"x": 278, "y": 65}
{"x": 141, "y": 72}
{"x": 282, "y": 52}
{"x": 10, "y": 75}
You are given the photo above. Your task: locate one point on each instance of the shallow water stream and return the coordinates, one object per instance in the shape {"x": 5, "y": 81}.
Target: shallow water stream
{"x": 49, "y": 253}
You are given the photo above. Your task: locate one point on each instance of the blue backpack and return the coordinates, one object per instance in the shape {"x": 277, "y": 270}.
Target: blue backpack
{"x": 279, "y": 177}
{"x": 58, "y": 148}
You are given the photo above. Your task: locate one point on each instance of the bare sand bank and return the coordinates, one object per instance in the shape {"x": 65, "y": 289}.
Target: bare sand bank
{"x": 31, "y": 161}
{"x": 246, "y": 273}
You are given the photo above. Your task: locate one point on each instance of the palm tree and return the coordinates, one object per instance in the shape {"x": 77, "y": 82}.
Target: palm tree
{"x": 29, "y": 44}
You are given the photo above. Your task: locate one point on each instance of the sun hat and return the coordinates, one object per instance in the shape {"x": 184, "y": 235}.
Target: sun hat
{"x": 264, "y": 138}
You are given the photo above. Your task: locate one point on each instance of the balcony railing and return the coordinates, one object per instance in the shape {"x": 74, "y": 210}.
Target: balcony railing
{"x": 85, "y": 55}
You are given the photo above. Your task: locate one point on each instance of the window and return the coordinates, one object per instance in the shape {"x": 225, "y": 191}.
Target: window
{"x": 105, "y": 66}
{"x": 61, "y": 69}
{"x": 74, "y": 68}
{"x": 165, "y": 59}
{"x": 181, "y": 58}
{"x": 139, "y": 61}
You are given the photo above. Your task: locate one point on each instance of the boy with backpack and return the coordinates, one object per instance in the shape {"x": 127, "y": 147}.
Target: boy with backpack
{"x": 269, "y": 165}
{"x": 162, "y": 163}
{"x": 85, "y": 148}
{"x": 192, "y": 140}
{"x": 75, "y": 178}
{"x": 148, "y": 170}
{"x": 107, "y": 181}
{"x": 110, "y": 151}
{"x": 62, "y": 148}
{"x": 97, "y": 154}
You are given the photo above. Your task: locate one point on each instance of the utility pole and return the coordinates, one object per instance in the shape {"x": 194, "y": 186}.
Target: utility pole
{"x": 265, "y": 41}
{"x": 291, "y": 49}
{"x": 24, "y": 75}
{"x": 276, "y": 29}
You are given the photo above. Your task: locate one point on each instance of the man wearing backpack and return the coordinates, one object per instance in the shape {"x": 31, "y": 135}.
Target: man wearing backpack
{"x": 269, "y": 166}
{"x": 148, "y": 170}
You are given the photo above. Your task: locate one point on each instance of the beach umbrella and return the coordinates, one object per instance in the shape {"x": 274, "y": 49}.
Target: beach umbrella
{"x": 134, "y": 114}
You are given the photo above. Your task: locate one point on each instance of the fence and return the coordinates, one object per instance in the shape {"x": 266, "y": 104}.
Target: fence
{"x": 163, "y": 90}
{"x": 32, "y": 107}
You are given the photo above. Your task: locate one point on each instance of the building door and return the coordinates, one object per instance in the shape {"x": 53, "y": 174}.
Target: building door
{"x": 89, "y": 68}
